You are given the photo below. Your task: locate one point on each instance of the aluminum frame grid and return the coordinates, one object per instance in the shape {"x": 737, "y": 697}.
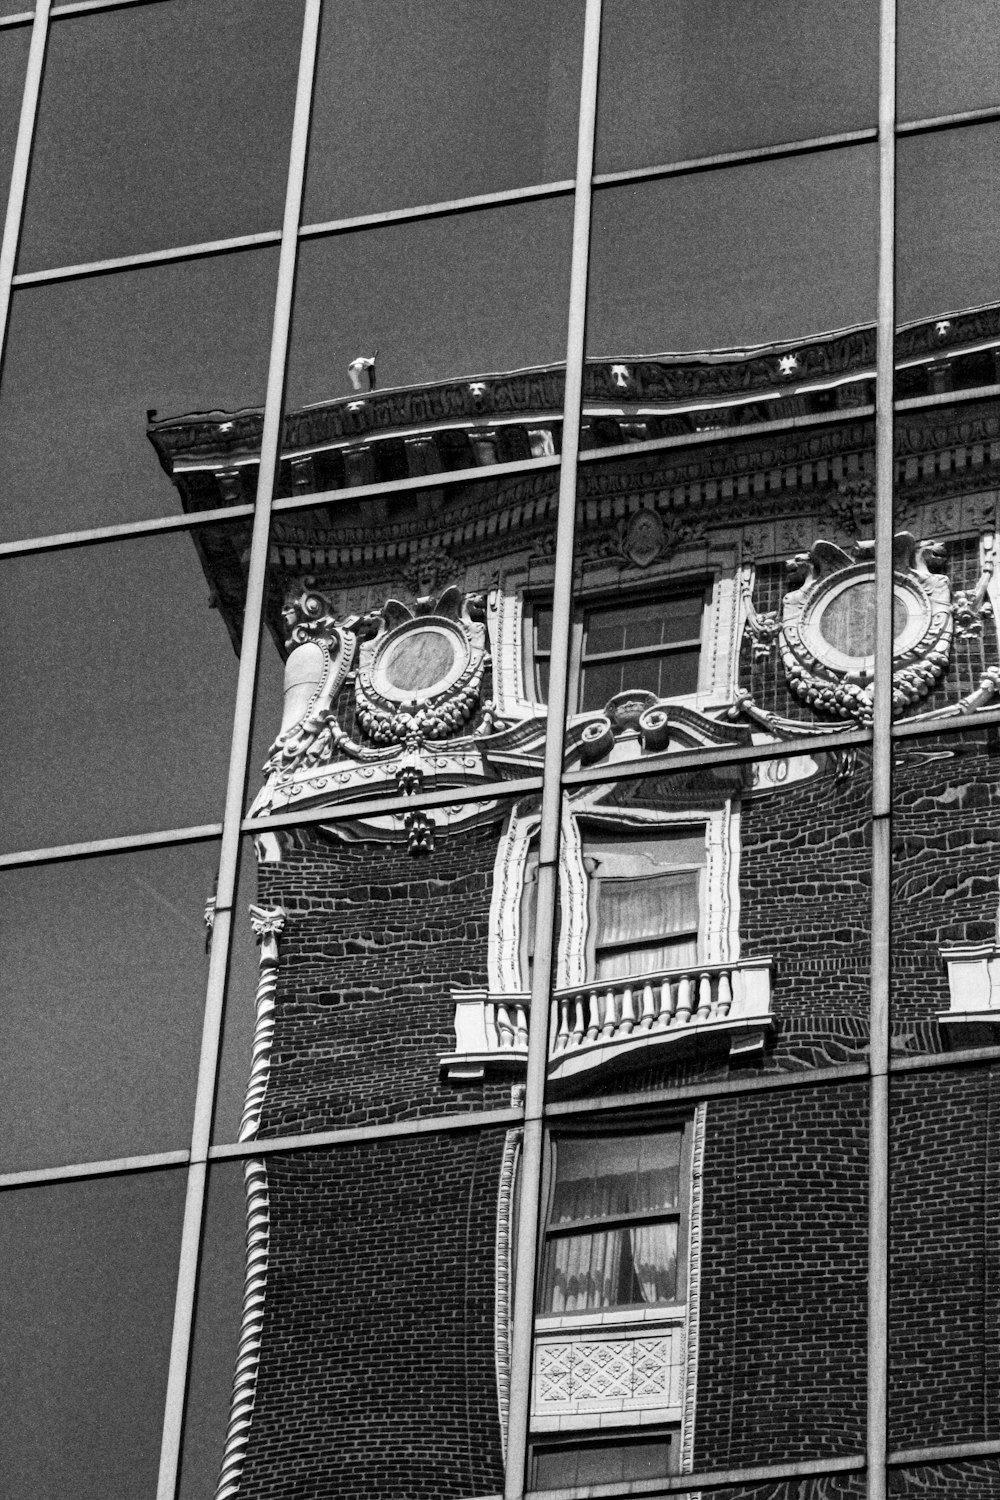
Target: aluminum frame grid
{"x": 877, "y": 1459}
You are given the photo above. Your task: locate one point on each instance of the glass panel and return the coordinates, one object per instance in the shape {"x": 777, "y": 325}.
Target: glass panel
{"x": 943, "y": 1258}
{"x": 95, "y": 369}
{"x": 451, "y": 311}
{"x": 475, "y": 98}
{"x": 966, "y": 1479}
{"x": 161, "y": 155}
{"x": 369, "y": 1261}
{"x": 377, "y": 992}
{"x": 669, "y": 270}
{"x": 948, "y": 58}
{"x": 945, "y": 868}
{"x": 564, "y": 1464}
{"x": 86, "y": 1310}
{"x": 739, "y": 76}
{"x": 945, "y": 260}
{"x": 118, "y": 713}
{"x": 13, "y": 56}
{"x": 756, "y": 957}
{"x": 16, "y": 7}
{"x": 105, "y": 988}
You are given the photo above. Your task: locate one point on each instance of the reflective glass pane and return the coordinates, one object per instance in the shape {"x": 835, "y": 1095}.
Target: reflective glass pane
{"x": 377, "y": 1350}
{"x": 964, "y": 1479}
{"x": 13, "y": 56}
{"x": 119, "y": 709}
{"x": 771, "y": 251}
{"x": 650, "y": 1297}
{"x": 465, "y": 98}
{"x": 749, "y": 945}
{"x": 943, "y": 1259}
{"x": 945, "y": 868}
{"x": 377, "y": 992}
{"x": 945, "y": 261}
{"x": 440, "y": 348}
{"x": 86, "y": 1310}
{"x": 687, "y": 79}
{"x": 93, "y": 372}
{"x": 134, "y": 153}
{"x": 105, "y": 988}
{"x": 948, "y": 58}
{"x": 16, "y": 7}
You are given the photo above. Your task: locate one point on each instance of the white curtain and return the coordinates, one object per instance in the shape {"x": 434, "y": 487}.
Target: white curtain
{"x": 646, "y": 923}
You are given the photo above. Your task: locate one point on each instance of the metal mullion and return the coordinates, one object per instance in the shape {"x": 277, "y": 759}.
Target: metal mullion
{"x": 172, "y": 253}
{"x": 123, "y": 844}
{"x": 22, "y": 156}
{"x": 876, "y": 1435}
{"x": 804, "y": 147}
{"x": 532, "y": 1145}
{"x": 730, "y": 434}
{"x": 239, "y": 755}
{"x": 687, "y": 1484}
{"x": 352, "y": 1135}
{"x": 612, "y": 1221}
{"x": 561, "y": 188}
{"x": 74, "y": 1171}
{"x": 664, "y": 763}
{"x": 124, "y": 531}
{"x": 949, "y": 122}
{"x": 487, "y": 791}
{"x": 349, "y": 494}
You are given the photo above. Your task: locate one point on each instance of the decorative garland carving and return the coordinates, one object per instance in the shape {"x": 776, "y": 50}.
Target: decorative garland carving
{"x": 762, "y": 627}
{"x": 267, "y": 924}
{"x": 421, "y": 675}
{"x": 835, "y": 675}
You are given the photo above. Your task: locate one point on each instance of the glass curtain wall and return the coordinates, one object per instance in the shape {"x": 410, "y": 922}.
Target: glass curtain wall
{"x": 207, "y": 203}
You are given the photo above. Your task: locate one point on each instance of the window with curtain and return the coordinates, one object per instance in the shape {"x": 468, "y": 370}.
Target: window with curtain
{"x": 614, "y": 1222}
{"x": 645, "y": 899}
{"x": 529, "y": 897}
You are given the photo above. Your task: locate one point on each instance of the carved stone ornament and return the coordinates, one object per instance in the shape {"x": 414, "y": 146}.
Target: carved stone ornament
{"x": 641, "y": 538}
{"x": 420, "y": 677}
{"x": 827, "y": 637}
{"x": 321, "y": 652}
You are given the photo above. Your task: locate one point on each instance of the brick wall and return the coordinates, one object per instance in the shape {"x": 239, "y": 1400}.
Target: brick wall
{"x": 377, "y": 1358}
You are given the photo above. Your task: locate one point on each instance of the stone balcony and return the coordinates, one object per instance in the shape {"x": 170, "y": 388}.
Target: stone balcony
{"x": 973, "y": 1017}
{"x": 601, "y": 1024}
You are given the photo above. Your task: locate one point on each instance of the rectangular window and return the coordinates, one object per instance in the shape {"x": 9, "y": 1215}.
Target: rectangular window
{"x": 645, "y": 899}
{"x": 614, "y": 1223}
{"x": 647, "y": 643}
{"x": 563, "y": 1465}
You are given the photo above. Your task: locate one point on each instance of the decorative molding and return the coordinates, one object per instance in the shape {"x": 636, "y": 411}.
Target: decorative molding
{"x": 244, "y": 1395}
{"x": 503, "y": 955}
{"x": 973, "y": 1019}
{"x": 692, "y": 1326}
{"x": 268, "y": 923}
{"x": 762, "y": 629}
{"x": 636, "y": 1369}
{"x": 503, "y": 1311}
{"x": 836, "y": 677}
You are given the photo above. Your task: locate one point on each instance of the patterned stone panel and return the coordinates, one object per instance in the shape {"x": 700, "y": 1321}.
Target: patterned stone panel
{"x": 608, "y": 1374}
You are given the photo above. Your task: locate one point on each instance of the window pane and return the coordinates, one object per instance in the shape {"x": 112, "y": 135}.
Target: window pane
{"x": 118, "y": 710}
{"x": 728, "y": 259}
{"x": 92, "y": 369}
{"x": 948, "y": 58}
{"x": 13, "y": 56}
{"x": 374, "y": 1258}
{"x": 470, "y": 98}
{"x": 945, "y": 261}
{"x": 601, "y": 1463}
{"x": 453, "y": 311}
{"x": 604, "y": 1176}
{"x": 105, "y": 990}
{"x": 86, "y": 1309}
{"x": 134, "y": 153}
{"x": 541, "y": 614}
{"x": 616, "y": 1268}
{"x": 739, "y": 76}
{"x": 647, "y": 622}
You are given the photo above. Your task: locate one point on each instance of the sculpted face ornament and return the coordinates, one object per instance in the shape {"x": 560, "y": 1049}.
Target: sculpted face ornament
{"x": 827, "y": 632}
{"x": 420, "y": 677}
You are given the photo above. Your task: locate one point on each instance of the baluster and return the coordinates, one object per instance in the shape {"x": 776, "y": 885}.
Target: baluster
{"x": 627, "y": 1023}
{"x": 725, "y": 998}
{"x": 668, "y": 998}
{"x": 648, "y": 1008}
{"x": 563, "y": 1034}
{"x": 520, "y": 1023}
{"x": 580, "y": 1023}
{"x": 704, "y": 998}
{"x": 685, "y": 998}
{"x": 505, "y": 1029}
{"x": 610, "y": 1014}
{"x": 594, "y": 1010}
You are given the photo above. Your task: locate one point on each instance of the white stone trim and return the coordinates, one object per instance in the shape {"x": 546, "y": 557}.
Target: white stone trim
{"x": 691, "y": 1330}
{"x": 571, "y": 954}
{"x": 244, "y": 1395}
{"x": 503, "y": 954}
{"x": 505, "y": 1240}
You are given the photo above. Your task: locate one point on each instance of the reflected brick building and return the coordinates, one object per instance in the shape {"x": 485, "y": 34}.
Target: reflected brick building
{"x": 701, "y": 1283}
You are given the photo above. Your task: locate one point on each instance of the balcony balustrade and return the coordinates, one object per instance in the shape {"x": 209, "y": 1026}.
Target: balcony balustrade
{"x": 601, "y": 1022}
